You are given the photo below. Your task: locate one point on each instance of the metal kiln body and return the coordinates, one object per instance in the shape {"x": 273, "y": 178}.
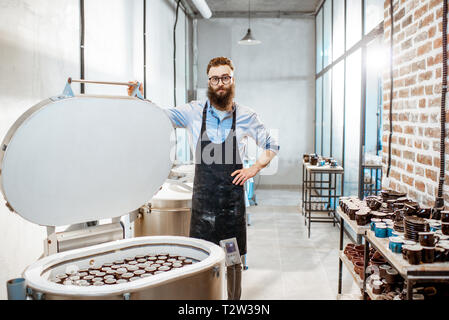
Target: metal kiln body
{"x": 73, "y": 159}
{"x": 202, "y": 280}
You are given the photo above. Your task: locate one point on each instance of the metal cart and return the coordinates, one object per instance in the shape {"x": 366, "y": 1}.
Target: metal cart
{"x": 320, "y": 193}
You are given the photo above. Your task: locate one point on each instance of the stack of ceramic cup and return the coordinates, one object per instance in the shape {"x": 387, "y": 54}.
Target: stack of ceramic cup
{"x": 445, "y": 222}
{"x": 373, "y": 202}
{"x": 363, "y": 216}
{"x": 413, "y": 225}
{"x": 427, "y": 240}
{"x": 384, "y": 228}
{"x": 350, "y": 205}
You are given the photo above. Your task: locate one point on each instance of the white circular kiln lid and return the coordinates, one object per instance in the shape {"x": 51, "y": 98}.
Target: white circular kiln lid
{"x": 85, "y": 158}
{"x": 173, "y": 191}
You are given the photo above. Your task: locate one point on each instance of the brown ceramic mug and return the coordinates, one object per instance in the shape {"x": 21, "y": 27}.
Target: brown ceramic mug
{"x": 361, "y": 218}
{"x": 428, "y": 254}
{"x": 404, "y": 250}
{"x": 351, "y": 212}
{"x": 360, "y": 249}
{"x": 377, "y": 287}
{"x": 427, "y": 239}
{"x": 445, "y": 228}
{"x": 383, "y": 270}
{"x": 445, "y": 216}
{"x": 391, "y": 276}
{"x": 358, "y": 268}
{"x": 414, "y": 254}
{"x": 357, "y": 259}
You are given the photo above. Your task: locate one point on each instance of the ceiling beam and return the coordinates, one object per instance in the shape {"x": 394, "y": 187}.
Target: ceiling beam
{"x": 319, "y": 6}
{"x": 263, "y": 14}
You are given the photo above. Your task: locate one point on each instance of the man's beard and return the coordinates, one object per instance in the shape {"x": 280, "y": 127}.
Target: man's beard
{"x": 223, "y": 100}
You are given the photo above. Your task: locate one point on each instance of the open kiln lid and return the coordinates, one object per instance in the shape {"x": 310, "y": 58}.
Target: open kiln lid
{"x": 84, "y": 158}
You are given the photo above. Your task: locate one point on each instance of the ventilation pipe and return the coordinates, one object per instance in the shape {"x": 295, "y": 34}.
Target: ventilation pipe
{"x": 203, "y": 8}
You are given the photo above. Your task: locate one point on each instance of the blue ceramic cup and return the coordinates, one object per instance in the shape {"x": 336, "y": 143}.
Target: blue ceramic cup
{"x": 373, "y": 223}
{"x": 16, "y": 289}
{"x": 435, "y": 226}
{"x": 380, "y": 231}
{"x": 389, "y": 231}
{"x": 395, "y": 234}
{"x": 395, "y": 244}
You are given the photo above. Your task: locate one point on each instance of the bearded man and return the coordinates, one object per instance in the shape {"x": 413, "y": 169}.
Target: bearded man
{"x": 219, "y": 128}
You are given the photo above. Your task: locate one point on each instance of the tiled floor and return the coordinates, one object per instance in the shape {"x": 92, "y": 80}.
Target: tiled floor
{"x": 282, "y": 262}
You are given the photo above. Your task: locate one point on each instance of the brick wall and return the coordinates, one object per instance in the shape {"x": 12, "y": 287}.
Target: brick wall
{"x": 417, "y": 78}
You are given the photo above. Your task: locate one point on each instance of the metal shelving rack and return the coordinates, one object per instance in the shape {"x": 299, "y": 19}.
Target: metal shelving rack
{"x": 314, "y": 187}
{"x": 373, "y": 187}
{"x": 342, "y": 259}
{"x": 412, "y": 274}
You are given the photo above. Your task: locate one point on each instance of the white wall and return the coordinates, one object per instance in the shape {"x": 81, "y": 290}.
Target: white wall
{"x": 161, "y": 19}
{"x": 39, "y": 50}
{"x": 275, "y": 78}
{"x": 113, "y": 43}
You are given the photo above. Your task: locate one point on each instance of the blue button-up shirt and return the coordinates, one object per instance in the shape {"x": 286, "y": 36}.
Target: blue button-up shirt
{"x": 219, "y": 123}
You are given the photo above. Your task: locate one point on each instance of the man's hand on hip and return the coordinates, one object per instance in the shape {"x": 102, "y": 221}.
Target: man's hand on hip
{"x": 247, "y": 173}
{"x": 244, "y": 174}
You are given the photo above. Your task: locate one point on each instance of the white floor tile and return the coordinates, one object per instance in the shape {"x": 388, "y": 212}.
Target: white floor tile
{"x": 283, "y": 262}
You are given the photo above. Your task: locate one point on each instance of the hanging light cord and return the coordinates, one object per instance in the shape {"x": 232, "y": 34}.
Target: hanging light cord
{"x": 174, "y": 52}
{"x": 144, "y": 49}
{"x": 391, "y": 89}
{"x": 439, "y": 201}
{"x": 249, "y": 14}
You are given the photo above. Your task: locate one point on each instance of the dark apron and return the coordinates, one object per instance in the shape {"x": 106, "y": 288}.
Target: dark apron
{"x": 218, "y": 205}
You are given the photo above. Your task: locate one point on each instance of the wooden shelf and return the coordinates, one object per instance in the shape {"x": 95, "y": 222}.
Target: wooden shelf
{"x": 402, "y": 265}
{"x": 352, "y": 224}
{"x": 357, "y": 278}
{"x": 349, "y": 296}
{"x": 370, "y": 293}
{"x": 324, "y": 169}
{"x": 350, "y": 268}
{"x": 372, "y": 166}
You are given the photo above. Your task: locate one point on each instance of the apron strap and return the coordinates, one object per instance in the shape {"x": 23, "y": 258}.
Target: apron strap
{"x": 203, "y": 121}
{"x": 235, "y": 148}
{"x": 234, "y": 139}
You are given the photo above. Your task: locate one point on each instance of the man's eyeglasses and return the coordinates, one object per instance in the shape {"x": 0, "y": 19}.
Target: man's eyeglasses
{"x": 215, "y": 80}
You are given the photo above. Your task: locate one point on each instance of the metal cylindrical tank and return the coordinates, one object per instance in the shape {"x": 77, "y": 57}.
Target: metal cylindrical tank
{"x": 169, "y": 213}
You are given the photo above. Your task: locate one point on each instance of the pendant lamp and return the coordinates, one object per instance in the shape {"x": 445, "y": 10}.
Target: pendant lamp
{"x": 248, "y": 39}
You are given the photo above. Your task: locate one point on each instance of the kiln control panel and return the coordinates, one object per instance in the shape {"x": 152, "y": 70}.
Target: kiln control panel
{"x": 231, "y": 249}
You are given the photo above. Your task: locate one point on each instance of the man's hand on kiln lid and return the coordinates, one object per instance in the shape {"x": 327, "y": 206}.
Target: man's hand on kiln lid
{"x": 131, "y": 87}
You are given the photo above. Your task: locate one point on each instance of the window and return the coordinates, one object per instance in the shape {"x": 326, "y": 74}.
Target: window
{"x": 375, "y": 61}
{"x": 353, "y": 22}
{"x": 374, "y": 14}
{"x": 327, "y": 113}
{"x": 318, "y": 116}
{"x": 342, "y": 25}
{"x": 338, "y": 29}
{"x": 338, "y": 92}
{"x": 327, "y": 34}
{"x": 352, "y": 122}
{"x": 319, "y": 41}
